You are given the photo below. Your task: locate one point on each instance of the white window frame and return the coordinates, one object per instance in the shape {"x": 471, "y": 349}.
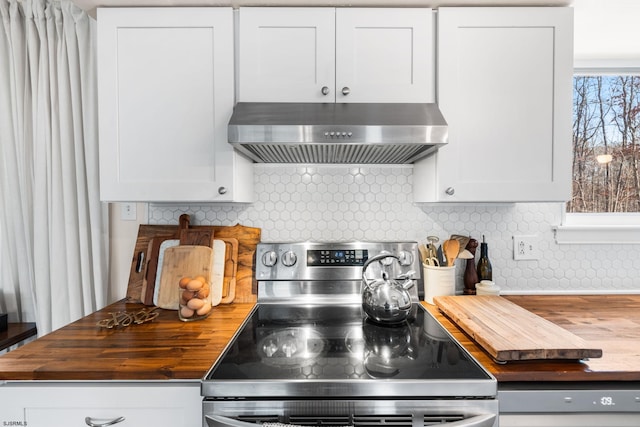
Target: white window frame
{"x": 600, "y": 228}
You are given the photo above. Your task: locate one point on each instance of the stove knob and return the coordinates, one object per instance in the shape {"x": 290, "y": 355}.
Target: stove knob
{"x": 270, "y": 258}
{"x": 405, "y": 258}
{"x": 289, "y": 258}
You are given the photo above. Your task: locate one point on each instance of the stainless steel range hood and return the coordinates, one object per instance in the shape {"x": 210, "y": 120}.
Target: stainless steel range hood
{"x": 336, "y": 133}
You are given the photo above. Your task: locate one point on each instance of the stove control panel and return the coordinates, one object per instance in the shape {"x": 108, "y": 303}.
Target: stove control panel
{"x": 331, "y": 261}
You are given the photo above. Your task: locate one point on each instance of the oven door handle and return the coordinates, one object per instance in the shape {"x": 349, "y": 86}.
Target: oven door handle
{"x": 218, "y": 421}
{"x": 486, "y": 420}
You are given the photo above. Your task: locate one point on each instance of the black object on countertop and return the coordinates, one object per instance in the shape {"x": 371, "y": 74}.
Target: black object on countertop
{"x": 485, "y": 272}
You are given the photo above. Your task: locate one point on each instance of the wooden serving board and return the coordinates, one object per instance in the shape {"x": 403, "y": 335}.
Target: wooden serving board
{"x": 508, "y": 332}
{"x": 182, "y": 261}
{"x": 230, "y": 270}
{"x": 247, "y": 237}
{"x": 202, "y": 236}
{"x": 157, "y": 246}
{"x": 217, "y": 271}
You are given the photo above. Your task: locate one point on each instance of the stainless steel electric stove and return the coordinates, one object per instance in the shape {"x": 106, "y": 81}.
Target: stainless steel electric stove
{"x": 308, "y": 355}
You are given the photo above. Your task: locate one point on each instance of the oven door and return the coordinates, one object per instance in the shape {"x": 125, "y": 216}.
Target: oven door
{"x": 356, "y": 413}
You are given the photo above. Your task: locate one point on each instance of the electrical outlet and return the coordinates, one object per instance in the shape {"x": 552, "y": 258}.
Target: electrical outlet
{"x": 128, "y": 212}
{"x": 525, "y": 247}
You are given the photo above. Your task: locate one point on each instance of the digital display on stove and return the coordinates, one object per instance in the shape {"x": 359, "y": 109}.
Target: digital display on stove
{"x": 337, "y": 257}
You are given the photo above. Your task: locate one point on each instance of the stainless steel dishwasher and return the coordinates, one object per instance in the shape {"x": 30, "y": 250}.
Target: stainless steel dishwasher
{"x": 569, "y": 404}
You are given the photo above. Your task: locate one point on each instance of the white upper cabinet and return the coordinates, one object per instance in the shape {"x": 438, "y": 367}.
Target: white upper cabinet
{"x": 166, "y": 92}
{"x": 286, "y": 54}
{"x": 336, "y": 55}
{"x": 505, "y": 89}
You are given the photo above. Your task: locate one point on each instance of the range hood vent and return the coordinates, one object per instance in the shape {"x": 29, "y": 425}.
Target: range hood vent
{"x": 336, "y": 133}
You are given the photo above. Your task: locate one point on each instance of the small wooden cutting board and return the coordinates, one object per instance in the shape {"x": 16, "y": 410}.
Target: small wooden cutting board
{"x": 182, "y": 261}
{"x": 508, "y": 332}
{"x": 217, "y": 271}
{"x": 230, "y": 270}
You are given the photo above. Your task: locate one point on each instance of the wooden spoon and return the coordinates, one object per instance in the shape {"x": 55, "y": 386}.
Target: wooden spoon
{"x": 423, "y": 252}
{"x": 463, "y": 240}
{"x": 451, "y": 248}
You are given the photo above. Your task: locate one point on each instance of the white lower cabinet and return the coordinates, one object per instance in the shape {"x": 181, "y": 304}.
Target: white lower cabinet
{"x": 505, "y": 89}
{"x": 43, "y": 404}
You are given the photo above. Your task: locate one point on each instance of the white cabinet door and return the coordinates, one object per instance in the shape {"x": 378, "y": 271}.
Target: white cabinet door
{"x": 504, "y": 87}
{"x": 286, "y": 54}
{"x": 165, "y": 86}
{"x": 384, "y": 55}
{"x": 336, "y": 55}
{"x": 36, "y": 404}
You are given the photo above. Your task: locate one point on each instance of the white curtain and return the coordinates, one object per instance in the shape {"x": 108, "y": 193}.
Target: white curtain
{"x": 53, "y": 228}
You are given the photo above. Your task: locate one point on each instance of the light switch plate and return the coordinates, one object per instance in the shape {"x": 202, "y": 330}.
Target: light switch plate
{"x": 128, "y": 212}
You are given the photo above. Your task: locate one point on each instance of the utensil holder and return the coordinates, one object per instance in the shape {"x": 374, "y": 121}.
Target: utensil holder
{"x": 438, "y": 281}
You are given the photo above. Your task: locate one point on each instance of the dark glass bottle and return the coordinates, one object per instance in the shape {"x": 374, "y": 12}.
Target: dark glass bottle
{"x": 484, "y": 265}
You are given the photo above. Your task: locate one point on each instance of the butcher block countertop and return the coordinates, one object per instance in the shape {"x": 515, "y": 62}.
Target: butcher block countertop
{"x": 168, "y": 349}
{"x": 609, "y": 322}
{"x": 162, "y": 349}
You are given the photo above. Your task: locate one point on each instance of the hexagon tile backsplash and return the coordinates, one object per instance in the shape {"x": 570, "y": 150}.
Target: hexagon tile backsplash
{"x": 341, "y": 203}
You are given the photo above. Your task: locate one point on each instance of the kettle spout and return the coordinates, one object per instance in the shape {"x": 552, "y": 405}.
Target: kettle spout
{"x": 408, "y": 279}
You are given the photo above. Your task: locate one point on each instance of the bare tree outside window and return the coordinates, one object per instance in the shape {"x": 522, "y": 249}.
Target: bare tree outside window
{"x": 606, "y": 144}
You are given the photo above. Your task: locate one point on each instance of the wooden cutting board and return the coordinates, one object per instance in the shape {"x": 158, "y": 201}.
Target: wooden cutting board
{"x": 182, "y": 261}
{"x": 508, "y": 332}
{"x": 230, "y": 270}
{"x": 217, "y": 271}
{"x": 157, "y": 246}
{"x": 247, "y": 237}
{"x": 202, "y": 236}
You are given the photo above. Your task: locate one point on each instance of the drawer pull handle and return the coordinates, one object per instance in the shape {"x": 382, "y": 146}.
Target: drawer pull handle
{"x": 102, "y": 423}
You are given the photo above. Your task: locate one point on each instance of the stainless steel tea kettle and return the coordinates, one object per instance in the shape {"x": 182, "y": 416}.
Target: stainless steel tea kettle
{"x": 386, "y": 300}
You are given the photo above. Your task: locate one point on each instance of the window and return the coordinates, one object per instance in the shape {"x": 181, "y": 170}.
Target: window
{"x": 605, "y": 204}
{"x": 606, "y": 62}
{"x": 606, "y": 144}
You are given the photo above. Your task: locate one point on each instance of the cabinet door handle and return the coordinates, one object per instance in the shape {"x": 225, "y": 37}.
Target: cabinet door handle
{"x": 325, "y": 90}
{"x": 95, "y": 422}
{"x": 346, "y": 91}
{"x": 222, "y": 190}
{"x": 450, "y": 191}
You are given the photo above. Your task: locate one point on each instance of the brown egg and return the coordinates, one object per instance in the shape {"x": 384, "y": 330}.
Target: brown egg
{"x": 204, "y": 292}
{"x": 206, "y": 308}
{"x": 201, "y": 278}
{"x": 195, "y": 285}
{"x": 186, "y": 312}
{"x": 195, "y": 303}
{"x": 187, "y": 295}
{"x": 184, "y": 281}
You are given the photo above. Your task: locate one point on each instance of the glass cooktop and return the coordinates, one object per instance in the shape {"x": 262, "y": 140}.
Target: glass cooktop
{"x": 336, "y": 349}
